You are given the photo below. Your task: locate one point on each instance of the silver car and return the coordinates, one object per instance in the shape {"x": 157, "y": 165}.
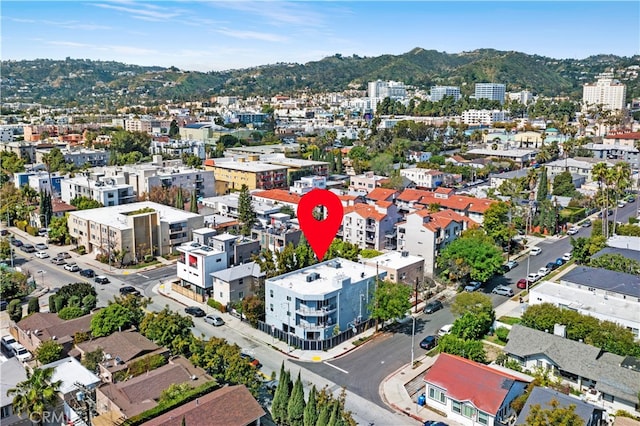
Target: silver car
{"x": 214, "y": 320}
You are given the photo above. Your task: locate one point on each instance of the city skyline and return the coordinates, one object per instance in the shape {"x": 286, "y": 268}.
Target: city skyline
{"x": 216, "y": 36}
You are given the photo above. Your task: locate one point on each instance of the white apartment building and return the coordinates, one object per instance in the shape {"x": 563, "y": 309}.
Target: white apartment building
{"x": 203, "y": 181}
{"x": 484, "y": 116}
{"x": 138, "y": 125}
{"x": 439, "y": 92}
{"x": 306, "y": 307}
{"x": 79, "y": 157}
{"x": 423, "y": 178}
{"x": 425, "y": 234}
{"x": 492, "y": 91}
{"x": 378, "y": 90}
{"x": 367, "y": 225}
{"x": 606, "y": 91}
{"x": 524, "y": 97}
{"x": 307, "y": 183}
{"x": 196, "y": 264}
{"x": 107, "y": 191}
{"x": 176, "y": 148}
{"x": 366, "y": 182}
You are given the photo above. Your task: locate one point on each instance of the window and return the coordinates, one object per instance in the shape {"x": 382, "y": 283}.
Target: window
{"x": 289, "y": 298}
{"x": 456, "y": 407}
{"x": 271, "y": 307}
{"x": 483, "y": 418}
{"x": 468, "y": 411}
{"x": 5, "y": 411}
{"x": 221, "y": 295}
{"x": 271, "y": 294}
{"x": 437, "y": 395}
{"x": 218, "y": 260}
{"x": 607, "y": 397}
{"x": 241, "y": 294}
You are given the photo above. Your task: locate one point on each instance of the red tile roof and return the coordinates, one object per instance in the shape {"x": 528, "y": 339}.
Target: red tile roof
{"x": 281, "y": 195}
{"x": 210, "y": 162}
{"x": 382, "y": 194}
{"x": 228, "y": 406}
{"x": 450, "y": 201}
{"x": 465, "y": 380}
{"x": 443, "y": 190}
{"x": 366, "y": 211}
{"x": 630, "y": 135}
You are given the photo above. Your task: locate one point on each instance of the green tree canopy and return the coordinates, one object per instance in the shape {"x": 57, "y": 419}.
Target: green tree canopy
{"x": 472, "y": 302}
{"x": 85, "y": 203}
{"x": 474, "y": 254}
{"x": 497, "y": 223}
{"x": 246, "y": 213}
{"x": 112, "y": 318}
{"x": 164, "y": 327}
{"x": 390, "y": 300}
{"x": 470, "y": 349}
{"x": 37, "y": 394}
{"x": 563, "y": 185}
{"x": 554, "y": 415}
{"x": 48, "y": 351}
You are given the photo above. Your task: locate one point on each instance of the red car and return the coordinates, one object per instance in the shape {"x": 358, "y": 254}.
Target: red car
{"x": 522, "y": 283}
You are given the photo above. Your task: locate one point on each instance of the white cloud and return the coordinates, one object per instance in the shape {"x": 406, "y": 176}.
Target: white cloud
{"x": 142, "y": 10}
{"x": 278, "y": 13}
{"x": 252, "y": 35}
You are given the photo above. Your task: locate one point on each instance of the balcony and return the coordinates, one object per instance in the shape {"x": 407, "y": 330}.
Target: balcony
{"x": 390, "y": 234}
{"x": 390, "y": 245}
{"x": 311, "y": 326}
{"x": 439, "y": 240}
{"x": 314, "y": 311}
{"x": 370, "y": 239}
{"x": 370, "y": 228}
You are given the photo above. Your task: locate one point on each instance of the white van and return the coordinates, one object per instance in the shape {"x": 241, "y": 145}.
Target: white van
{"x": 446, "y": 329}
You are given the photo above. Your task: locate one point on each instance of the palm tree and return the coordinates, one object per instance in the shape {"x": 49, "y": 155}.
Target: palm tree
{"x": 601, "y": 173}
{"x": 621, "y": 180}
{"x": 35, "y": 395}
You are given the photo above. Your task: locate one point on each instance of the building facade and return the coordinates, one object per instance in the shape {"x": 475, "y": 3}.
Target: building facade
{"x": 606, "y": 91}
{"x": 491, "y": 91}
{"x": 439, "y": 92}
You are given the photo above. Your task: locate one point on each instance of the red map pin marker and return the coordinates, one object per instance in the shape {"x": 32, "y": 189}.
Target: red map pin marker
{"x": 320, "y": 233}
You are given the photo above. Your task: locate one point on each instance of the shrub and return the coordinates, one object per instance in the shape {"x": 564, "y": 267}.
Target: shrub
{"x": 59, "y": 303}
{"x": 52, "y": 304}
{"x": 48, "y": 351}
{"x": 82, "y": 250}
{"x": 502, "y": 333}
{"x": 81, "y": 336}
{"x": 34, "y": 305}
{"x": 216, "y": 305}
{"x": 70, "y": 312}
{"x": 31, "y": 230}
{"x": 15, "y": 310}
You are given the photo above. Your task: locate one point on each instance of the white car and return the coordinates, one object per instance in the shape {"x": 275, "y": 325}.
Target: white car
{"x": 21, "y": 353}
{"x": 533, "y": 277}
{"x": 446, "y": 329}
{"x": 566, "y": 257}
{"x": 573, "y": 230}
{"x": 542, "y": 272}
{"x": 42, "y": 255}
{"x": 622, "y": 203}
{"x": 535, "y": 251}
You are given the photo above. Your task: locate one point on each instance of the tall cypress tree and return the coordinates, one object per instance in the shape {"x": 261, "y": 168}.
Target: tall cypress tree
{"x": 543, "y": 186}
{"x": 339, "y": 162}
{"x": 296, "y": 406}
{"x": 42, "y": 207}
{"x": 335, "y": 414}
{"x": 179, "y": 199}
{"x": 311, "y": 410}
{"x": 281, "y": 398}
{"x": 246, "y": 213}
{"x": 193, "y": 207}
{"x": 323, "y": 417}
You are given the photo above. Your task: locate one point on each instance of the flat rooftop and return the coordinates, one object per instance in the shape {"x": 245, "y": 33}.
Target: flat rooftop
{"x": 394, "y": 260}
{"x": 197, "y": 248}
{"x": 113, "y": 216}
{"x": 331, "y": 277}
{"x": 249, "y": 166}
{"x": 516, "y": 153}
{"x": 585, "y": 300}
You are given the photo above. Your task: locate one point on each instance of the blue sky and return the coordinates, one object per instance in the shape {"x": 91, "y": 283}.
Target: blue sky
{"x": 217, "y": 35}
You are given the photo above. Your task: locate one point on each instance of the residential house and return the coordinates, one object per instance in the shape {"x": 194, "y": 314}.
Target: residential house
{"x": 74, "y": 379}
{"x": 588, "y": 413}
{"x": 630, "y": 154}
{"x": 497, "y": 179}
{"x": 307, "y": 183}
{"x": 579, "y": 165}
{"x": 12, "y": 372}
{"x": 629, "y": 139}
{"x": 107, "y": 191}
{"x": 381, "y": 194}
{"x": 600, "y": 293}
{"x": 425, "y": 234}
{"x": 139, "y": 229}
{"x": 307, "y": 306}
{"x": 59, "y": 208}
{"x": 471, "y": 393}
{"x": 418, "y": 156}
{"x": 520, "y": 156}
{"x": 228, "y": 406}
{"x": 123, "y": 400}
{"x": 366, "y": 182}
{"x": 227, "y": 205}
{"x": 610, "y": 381}
{"x": 445, "y": 198}
{"x": 424, "y": 178}
{"x": 42, "y": 326}
{"x": 280, "y": 232}
{"x": 119, "y": 350}
{"x": 401, "y": 267}
{"x": 367, "y": 225}
{"x": 234, "y": 284}
{"x": 277, "y": 197}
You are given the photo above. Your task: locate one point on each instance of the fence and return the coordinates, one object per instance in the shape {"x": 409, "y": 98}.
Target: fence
{"x": 313, "y": 345}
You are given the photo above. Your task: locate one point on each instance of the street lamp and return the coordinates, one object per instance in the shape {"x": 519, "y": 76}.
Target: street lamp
{"x": 413, "y": 337}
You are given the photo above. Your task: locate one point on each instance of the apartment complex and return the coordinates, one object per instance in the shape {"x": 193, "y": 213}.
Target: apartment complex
{"x": 107, "y": 191}
{"x": 307, "y": 306}
{"x": 138, "y": 229}
{"x": 231, "y": 175}
{"x": 606, "y": 91}
{"x": 367, "y": 225}
{"x": 439, "y": 92}
{"x": 484, "y": 117}
{"x": 491, "y": 91}
{"x": 424, "y": 178}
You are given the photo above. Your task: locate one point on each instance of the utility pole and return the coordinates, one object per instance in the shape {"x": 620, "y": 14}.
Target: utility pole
{"x": 86, "y": 402}
{"x": 416, "y": 307}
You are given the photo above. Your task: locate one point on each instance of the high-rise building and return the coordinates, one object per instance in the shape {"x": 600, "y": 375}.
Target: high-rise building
{"x": 439, "y": 92}
{"x": 378, "y": 90}
{"x": 607, "y": 91}
{"x": 492, "y": 91}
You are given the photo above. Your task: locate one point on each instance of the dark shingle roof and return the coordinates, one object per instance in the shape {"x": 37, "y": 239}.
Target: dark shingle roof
{"x": 628, "y": 253}
{"x": 542, "y": 397}
{"x": 616, "y": 282}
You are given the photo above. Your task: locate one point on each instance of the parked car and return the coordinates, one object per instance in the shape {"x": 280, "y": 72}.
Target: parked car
{"x": 214, "y": 320}
{"x": 251, "y": 360}
{"x": 586, "y": 223}
{"x": 510, "y": 265}
{"x": 544, "y": 271}
{"x": 535, "y": 251}
{"x": 522, "y": 283}
{"x": 429, "y": 342}
{"x": 16, "y": 243}
{"x": 28, "y": 248}
{"x": 432, "y": 307}
{"x": 4, "y": 232}
{"x": 552, "y": 266}
{"x": 445, "y": 329}
{"x": 609, "y": 213}
{"x": 89, "y": 273}
{"x": 473, "y": 286}
{"x": 42, "y": 232}
{"x": 7, "y": 344}
{"x": 573, "y": 230}
{"x": 41, "y": 246}
{"x": 560, "y": 261}
{"x": 21, "y": 352}
{"x": 58, "y": 261}
{"x": 195, "y": 311}
{"x": 271, "y": 385}
{"x": 566, "y": 257}
{"x": 72, "y": 267}
{"x": 42, "y": 255}
{"x": 622, "y": 203}
{"x": 533, "y": 277}
{"x": 434, "y": 423}
{"x": 126, "y": 290}
{"x": 503, "y": 290}
{"x": 64, "y": 255}
{"x": 101, "y": 279}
